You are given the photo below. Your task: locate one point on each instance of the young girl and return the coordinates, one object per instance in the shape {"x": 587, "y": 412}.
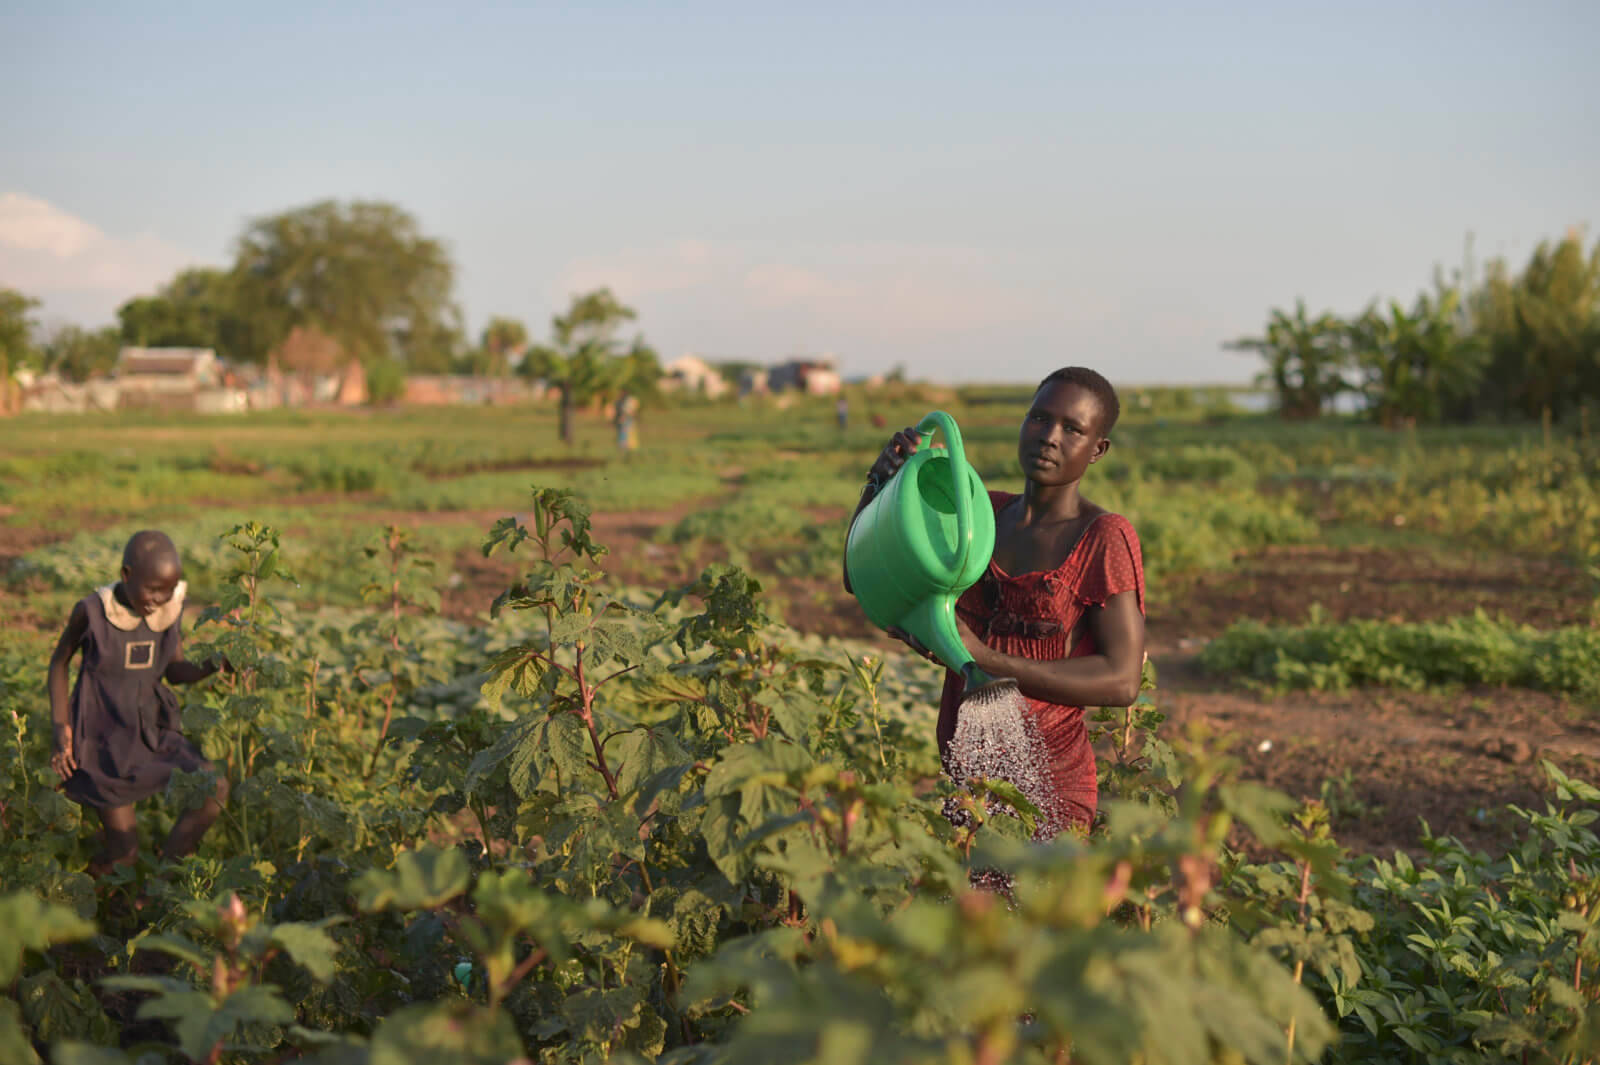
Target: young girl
{"x": 118, "y": 737}
{"x": 1061, "y": 607}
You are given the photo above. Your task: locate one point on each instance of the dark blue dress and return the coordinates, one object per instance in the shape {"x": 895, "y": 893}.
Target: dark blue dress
{"x": 126, "y": 733}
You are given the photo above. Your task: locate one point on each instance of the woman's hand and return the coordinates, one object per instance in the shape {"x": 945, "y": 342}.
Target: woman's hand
{"x": 62, "y": 761}
{"x": 899, "y": 448}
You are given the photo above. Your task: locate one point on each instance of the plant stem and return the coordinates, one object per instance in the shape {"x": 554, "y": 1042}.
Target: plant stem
{"x": 1288, "y": 1054}
{"x": 586, "y": 693}
{"x": 383, "y": 733}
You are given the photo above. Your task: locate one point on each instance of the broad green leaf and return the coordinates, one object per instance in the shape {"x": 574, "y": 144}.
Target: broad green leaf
{"x": 570, "y": 749}
{"x": 57, "y": 1010}
{"x": 27, "y": 922}
{"x": 639, "y": 755}
{"x": 460, "y": 1033}
{"x": 420, "y": 880}
{"x": 310, "y": 946}
{"x": 647, "y": 931}
{"x": 15, "y": 1046}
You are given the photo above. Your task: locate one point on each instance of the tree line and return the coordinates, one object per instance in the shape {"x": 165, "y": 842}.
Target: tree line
{"x": 335, "y": 282}
{"x": 1519, "y": 345}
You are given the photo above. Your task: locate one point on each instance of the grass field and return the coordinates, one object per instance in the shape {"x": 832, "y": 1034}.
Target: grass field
{"x": 1399, "y": 627}
{"x": 1242, "y": 519}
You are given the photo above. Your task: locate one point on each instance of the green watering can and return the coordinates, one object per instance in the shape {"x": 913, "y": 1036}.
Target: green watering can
{"x": 925, "y": 538}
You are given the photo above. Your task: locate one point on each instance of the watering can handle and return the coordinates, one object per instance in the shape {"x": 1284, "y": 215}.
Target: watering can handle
{"x": 960, "y": 475}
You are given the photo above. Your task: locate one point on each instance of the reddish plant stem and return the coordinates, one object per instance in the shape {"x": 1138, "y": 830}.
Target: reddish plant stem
{"x": 586, "y": 693}
{"x": 523, "y": 969}
{"x": 383, "y": 733}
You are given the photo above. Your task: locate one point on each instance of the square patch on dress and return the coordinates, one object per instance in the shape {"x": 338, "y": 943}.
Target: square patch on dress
{"x": 141, "y": 654}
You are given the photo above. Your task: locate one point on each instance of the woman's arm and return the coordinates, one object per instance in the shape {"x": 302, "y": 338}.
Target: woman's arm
{"x": 1110, "y": 677}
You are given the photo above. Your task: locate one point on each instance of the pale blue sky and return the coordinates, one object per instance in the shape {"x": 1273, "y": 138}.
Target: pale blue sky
{"x": 977, "y": 196}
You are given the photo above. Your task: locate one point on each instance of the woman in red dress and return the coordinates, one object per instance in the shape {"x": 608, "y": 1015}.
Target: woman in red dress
{"x": 1061, "y": 607}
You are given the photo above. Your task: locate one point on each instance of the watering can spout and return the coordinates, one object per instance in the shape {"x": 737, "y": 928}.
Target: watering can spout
{"x": 933, "y": 622}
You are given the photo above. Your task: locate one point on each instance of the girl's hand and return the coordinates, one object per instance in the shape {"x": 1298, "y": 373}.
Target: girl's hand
{"x": 899, "y": 448}
{"x": 62, "y": 760}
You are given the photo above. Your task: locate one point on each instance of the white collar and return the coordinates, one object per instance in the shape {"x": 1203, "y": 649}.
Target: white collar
{"x": 125, "y": 619}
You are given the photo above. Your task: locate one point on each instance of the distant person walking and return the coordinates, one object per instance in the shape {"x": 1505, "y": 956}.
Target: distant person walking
{"x": 842, "y": 410}
{"x": 625, "y": 416}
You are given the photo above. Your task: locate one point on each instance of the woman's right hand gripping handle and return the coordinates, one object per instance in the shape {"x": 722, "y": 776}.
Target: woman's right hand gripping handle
{"x": 894, "y": 454}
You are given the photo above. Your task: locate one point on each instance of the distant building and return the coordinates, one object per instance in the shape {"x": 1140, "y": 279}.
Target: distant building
{"x": 437, "y": 390}
{"x": 167, "y": 370}
{"x": 694, "y": 376}
{"x": 815, "y": 377}
{"x": 48, "y": 393}
{"x": 753, "y": 383}
{"x": 174, "y": 379}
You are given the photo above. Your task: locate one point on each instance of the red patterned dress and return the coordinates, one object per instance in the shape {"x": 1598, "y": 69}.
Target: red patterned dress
{"x": 1036, "y": 615}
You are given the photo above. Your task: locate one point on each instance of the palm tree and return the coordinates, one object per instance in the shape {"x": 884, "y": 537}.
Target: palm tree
{"x": 1418, "y": 364}
{"x": 1306, "y": 359}
{"x": 501, "y": 338}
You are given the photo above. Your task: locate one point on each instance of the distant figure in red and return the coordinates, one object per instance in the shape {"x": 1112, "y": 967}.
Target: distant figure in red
{"x": 118, "y": 736}
{"x": 1061, "y": 607}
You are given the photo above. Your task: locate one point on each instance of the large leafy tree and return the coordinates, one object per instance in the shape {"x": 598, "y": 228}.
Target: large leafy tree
{"x": 199, "y": 308}
{"x": 1307, "y": 359}
{"x": 585, "y": 360}
{"x": 361, "y": 272}
{"x": 1415, "y": 364}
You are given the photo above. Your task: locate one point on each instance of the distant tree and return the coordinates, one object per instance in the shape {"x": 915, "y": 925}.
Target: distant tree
{"x": 361, "y": 272}
{"x": 1307, "y": 359}
{"x": 79, "y": 354}
{"x": 439, "y": 350}
{"x": 585, "y": 361}
{"x": 501, "y": 338}
{"x": 1416, "y": 364}
{"x": 386, "y": 382}
{"x": 1543, "y": 332}
{"x": 16, "y": 339}
{"x": 199, "y": 308}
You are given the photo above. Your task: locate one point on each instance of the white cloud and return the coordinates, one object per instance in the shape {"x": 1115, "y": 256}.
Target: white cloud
{"x": 67, "y": 261}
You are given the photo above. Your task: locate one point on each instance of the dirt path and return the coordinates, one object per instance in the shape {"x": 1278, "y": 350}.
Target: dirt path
{"x": 1383, "y": 760}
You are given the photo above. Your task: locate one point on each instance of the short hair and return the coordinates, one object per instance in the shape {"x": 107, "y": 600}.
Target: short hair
{"x": 1094, "y": 383}
{"x": 148, "y": 547}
